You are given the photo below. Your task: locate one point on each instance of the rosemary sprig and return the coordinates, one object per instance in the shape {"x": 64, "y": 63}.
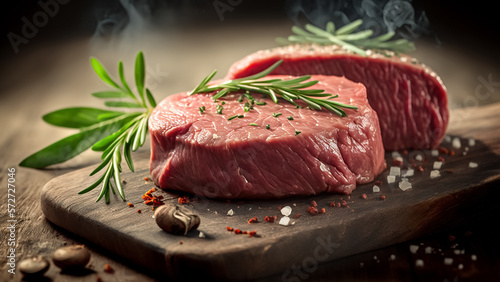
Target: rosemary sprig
{"x": 347, "y": 38}
{"x": 290, "y": 90}
{"x": 111, "y": 132}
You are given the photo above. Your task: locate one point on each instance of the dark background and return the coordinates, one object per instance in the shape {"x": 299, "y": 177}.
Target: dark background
{"x": 470, "y": 25}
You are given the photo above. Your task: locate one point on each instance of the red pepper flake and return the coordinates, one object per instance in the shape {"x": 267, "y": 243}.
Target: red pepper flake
{"x": 183, "y": 200}
{"x": 229, "y": 228}
{"x": 443, "y": 150}
{"x": 312, "y": 210}
{"x": 130, "y": 205}
{"x": 441, "y": 159}
{"x": 344, "y": 203}
{"x": 244, "y": 232}
{"x": 332, "y": 204}
{"x": 338, "y": 205}
{"x": 405, "y": 152}
{"x": 237, "y": 231}
{"x": 314, "y": 204}
{"x": 180, "y": 242}
{"x": 253, "y": 220}
{"x": 323, "y": 210}
{"x": 146, "y": 179}
{"x": 378, "y": 182}
{"x": 139, "y": 211}
{"x": 451, "y": 238}
{"x": 269, "y": 219}
{"x": 252, "y": 233}
{"x": 363, "y": 196}
{"x": 382, "y": 197}
{"x": 420, "y": 168}
{"x": 397, "y": 162}
{"x": 452, "y": 153}
{"x": 297, "y": 215}
{"x": 108, "y": 268}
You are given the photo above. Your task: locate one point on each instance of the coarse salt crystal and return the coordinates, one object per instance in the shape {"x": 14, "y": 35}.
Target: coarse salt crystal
{"x": 409, "y": 172}
{"x": 215, "y": 212}
{"x": 448, "y": 261}
{"x": 472, "y": 142}
{"x": 414, "y": 249}
{"x": 376, "y": 189}
{"x": 399, "y": 159}
{"x": 428, "y": 250}
{"x": 473, "y": 257}
{"x": 460, "y": 266}
{"x": 404, "y": 185}
{"x": 395, "y": 154}
{"x": 392, "y": 257}
{"x": 201, "y": 235}
{"x": 395, "y": 170}
{"x": 391, "y": 179}
{"x": 286, "y": 211}
{"x": 435, "y": 174}
{"x": 284, "y": 221}
{"x": 472, "y": 165}
{"x": 456, "y": 143}
{"x": 434, "y": 153}
{"x": 230, "y": 212}
{"x": 437, "y": 165}
{"x": 419, "y": 263}
{"x": 419, "y": 158}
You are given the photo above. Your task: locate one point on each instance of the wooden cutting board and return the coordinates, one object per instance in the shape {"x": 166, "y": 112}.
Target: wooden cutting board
{"x": 460, "y": 193}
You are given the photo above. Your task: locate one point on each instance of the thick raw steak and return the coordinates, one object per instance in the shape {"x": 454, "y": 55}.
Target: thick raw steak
{"x": 210, "y": 156}
{"x": 409, "y": 98}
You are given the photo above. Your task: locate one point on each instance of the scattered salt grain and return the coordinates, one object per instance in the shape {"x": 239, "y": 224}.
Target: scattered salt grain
{"x": 419, "y": 158}
{"x": 201, "y": 235}
{"x": 466, "y": 149}
{"x": 399, "y": 159}
{"x": 473, "y": 257}
{"x": 249, "y": 209}
{"x": 395, "y": 170}
{"x": 456, "y": 252}
{"x": 414, "y": 249}
{"x": 448, "y": 261}
{"x": 391, "y": 179}
{"x": 408, "y": 173}
{"x": 284, "y": 221}
{"x": 215, "y": 212}
{"x": 428, "y": 250}
{"x": 435, "y": 174}
{"x": 434, "y": 153}
{"x": 437, "y": 165}
{"x": 230, "y": 212}
{"x": 376, "y": 189}
{"x": 456, "y": 143}
{"x": 286, "y": 211}
{"x": 472, "y": 142}
{"x": 472, "y": 165}
{"x": 395, "y": 154}
{"x": 460, "y": 266}
{"x": 419, "y": 263}
{"x": 404, "y": 185}
{"x": 447, "y": 139}
{"x": 392, "y": 257}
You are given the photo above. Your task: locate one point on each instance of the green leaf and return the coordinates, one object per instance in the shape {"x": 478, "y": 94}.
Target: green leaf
{"x": 140, "y": 74}
{"x": 118, "y": 104}
{"x": 122, "y": 79}
{"x": 73, "y": 145}
{"x": 151, "y": 99}
{"x": 110, "y": 94}
{"x": 110, "y": 115}
{"x": 104, "y": 143}
{"x": 101, "y": 72}
{"x": 77, "y": 117}
{"x": 128, "y": 157}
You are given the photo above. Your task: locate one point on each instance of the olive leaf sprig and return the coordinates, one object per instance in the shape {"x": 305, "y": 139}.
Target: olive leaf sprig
{"x": 347, "y": 38}
{"x": 111, "y": 132}
{"x": 288, "y": 89}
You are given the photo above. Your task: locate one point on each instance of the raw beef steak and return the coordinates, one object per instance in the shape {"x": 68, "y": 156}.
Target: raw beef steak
{"x": 210, "y": 156}
{"x": 409, "y": 98}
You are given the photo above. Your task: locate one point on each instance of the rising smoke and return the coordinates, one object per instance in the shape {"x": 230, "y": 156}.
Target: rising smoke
{"x": 380, "y": 16}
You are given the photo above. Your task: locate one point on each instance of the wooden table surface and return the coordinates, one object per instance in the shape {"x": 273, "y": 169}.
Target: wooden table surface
{"x": 58, "y": 74}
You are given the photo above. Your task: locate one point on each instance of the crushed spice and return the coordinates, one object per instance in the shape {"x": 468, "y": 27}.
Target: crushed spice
{"x": 253, "y": 220}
